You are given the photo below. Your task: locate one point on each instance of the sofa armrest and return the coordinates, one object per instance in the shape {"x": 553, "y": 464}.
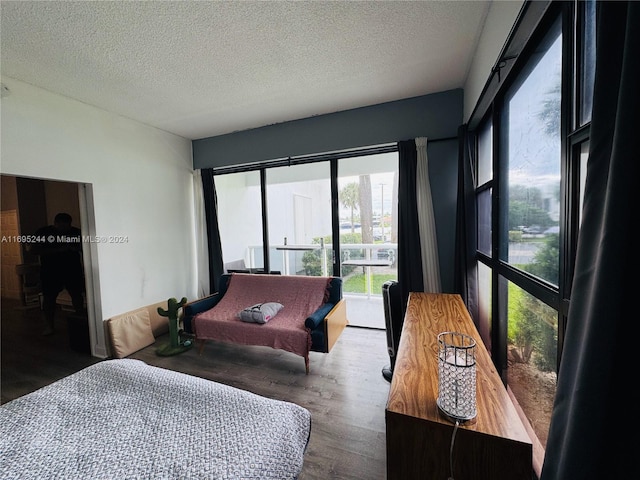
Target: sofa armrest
{"x": 316, "y": 318}
{"x": 191, "y": 309}
{"x": 334, "y": 323}
{"x": 335, "y": 296}
{"x": 335, "y": 290}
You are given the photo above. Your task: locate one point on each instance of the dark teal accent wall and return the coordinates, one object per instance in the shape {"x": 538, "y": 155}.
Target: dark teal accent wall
{"x": 434, "y": 116}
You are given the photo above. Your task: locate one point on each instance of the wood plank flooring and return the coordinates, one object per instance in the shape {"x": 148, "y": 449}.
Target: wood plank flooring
{"x": 344, "y": 391}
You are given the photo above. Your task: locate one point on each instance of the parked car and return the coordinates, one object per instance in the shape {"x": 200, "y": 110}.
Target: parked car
{"x": 533, "y": 229}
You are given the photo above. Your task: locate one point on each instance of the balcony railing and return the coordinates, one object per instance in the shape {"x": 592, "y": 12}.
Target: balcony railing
{"x": 294, "y": 259}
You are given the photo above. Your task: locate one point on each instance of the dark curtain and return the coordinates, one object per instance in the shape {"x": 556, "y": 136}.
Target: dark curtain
{"x": 409, "y": 250}
{"x": 592, "y": 433}
{"x": 464, "y": 275}
{"x": 216, "y": 265}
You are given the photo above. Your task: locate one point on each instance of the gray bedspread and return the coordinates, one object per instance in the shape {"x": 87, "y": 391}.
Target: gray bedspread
{"x": 124, "y": 419}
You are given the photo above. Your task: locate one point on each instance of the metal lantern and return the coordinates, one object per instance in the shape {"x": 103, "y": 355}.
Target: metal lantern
{"x": 457, "y": 376}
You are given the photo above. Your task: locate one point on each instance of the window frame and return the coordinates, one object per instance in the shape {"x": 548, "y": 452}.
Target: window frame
{"x": 332, "y": 158}
{"x": 572, "y": 137}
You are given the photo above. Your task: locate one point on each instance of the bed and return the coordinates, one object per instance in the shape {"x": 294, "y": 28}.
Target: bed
{"x": 123, "y": 418}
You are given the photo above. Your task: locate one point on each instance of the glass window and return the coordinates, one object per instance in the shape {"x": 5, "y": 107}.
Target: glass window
{"x": 484, "y": 304}
{"x": 485, "y": 174}
{"x": 532, "y": 353}
{"x": 588, "y": 60}
{"x": 522, "y": 303}
{"x": 485, "y": 154}
{"x": 299, "y": 219}
{"x": 530, "y": 207}
{"x": 584, "y": 157}
{"x": 238, "y": 196}
{"x": 483, "y": 200}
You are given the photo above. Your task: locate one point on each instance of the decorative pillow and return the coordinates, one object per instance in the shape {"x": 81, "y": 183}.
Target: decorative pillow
{"x": 130, "y": 332}
{"x": 260, "y": 313}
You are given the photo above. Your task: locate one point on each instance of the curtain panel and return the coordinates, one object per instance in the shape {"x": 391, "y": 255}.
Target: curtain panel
{"x": 465, "y": 269}
{"x": 410, "y": 277}
{"x": 216, "y": 265}
{"x": 202, "y": 242}
{"x": 426, "y": 221}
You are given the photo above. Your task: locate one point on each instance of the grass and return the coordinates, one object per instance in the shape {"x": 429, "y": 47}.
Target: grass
{"x": 357, "y": 283}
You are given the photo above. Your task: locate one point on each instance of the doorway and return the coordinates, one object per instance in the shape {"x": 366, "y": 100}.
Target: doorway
{"x": 303, "y": 208}
{"x": 28, "y": 204}
{"x": 368, "y": 216}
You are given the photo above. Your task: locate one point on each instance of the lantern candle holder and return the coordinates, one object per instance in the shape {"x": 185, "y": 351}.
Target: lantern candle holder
{"x": 457, "y": 376}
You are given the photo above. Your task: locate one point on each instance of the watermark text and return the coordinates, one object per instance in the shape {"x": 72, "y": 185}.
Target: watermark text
{"x": 50, "y": 239}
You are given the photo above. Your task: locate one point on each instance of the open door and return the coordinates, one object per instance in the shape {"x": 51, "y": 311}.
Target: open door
{"x": 27, "y": 205}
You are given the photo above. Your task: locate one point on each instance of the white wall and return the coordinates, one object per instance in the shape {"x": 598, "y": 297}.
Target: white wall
{"x": 501, "y": 17}
{"x": 141, "y": 180}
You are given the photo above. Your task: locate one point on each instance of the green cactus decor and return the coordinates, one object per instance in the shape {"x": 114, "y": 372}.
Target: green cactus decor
{"x": 176, "y": 344}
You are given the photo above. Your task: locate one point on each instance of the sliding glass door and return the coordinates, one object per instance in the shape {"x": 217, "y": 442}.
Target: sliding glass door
{"x": 285, "y": 218}
{"x": 240, "y": 220}
{"x": 368, "y": 214}
{"x": 299, "y": 219}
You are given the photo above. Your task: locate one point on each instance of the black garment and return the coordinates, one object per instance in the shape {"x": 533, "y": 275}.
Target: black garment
{"x": 60, "y": 260}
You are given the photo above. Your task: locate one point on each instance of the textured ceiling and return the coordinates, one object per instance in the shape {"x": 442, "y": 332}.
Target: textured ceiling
{"x": 204, "y": 68}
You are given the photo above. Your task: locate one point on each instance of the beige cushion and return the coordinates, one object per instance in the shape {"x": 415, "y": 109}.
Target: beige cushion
{"x": 159, "y": 324}
{"x": 130, "y": 332}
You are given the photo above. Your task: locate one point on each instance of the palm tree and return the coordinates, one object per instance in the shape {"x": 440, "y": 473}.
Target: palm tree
{"x": 366, "y": 209}
{"x": 350, "y": 198}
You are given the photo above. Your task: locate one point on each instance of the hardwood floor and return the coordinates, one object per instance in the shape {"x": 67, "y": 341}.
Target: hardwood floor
{"x": 344, "y": 391}
{"x": 29, "y": 360}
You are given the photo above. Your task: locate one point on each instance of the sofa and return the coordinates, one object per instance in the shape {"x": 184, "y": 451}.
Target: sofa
{"x": 312, "y": 315}
{"x": 134, "y": 330}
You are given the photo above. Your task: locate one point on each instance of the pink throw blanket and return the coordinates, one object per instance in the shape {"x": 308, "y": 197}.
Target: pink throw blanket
{"x": 300, "y": 296}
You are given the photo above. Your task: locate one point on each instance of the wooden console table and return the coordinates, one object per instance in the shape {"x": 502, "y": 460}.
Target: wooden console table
{"x": 493, "y": 446}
